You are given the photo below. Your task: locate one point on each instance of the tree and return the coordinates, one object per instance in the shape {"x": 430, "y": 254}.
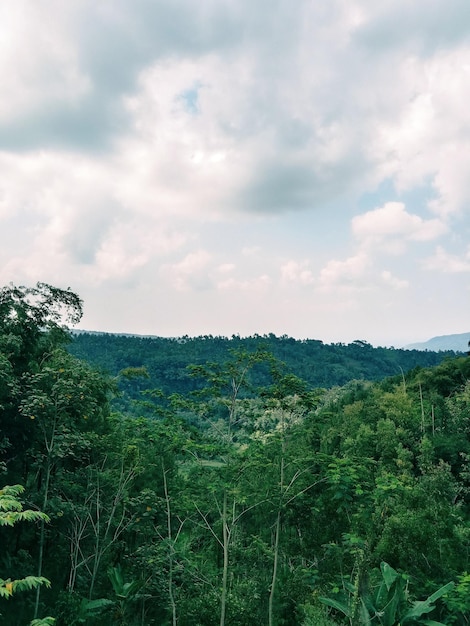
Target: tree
{"x": 32, "y": 326}
{"x": 49, "y": 400}
{"x": 225, "y": 384}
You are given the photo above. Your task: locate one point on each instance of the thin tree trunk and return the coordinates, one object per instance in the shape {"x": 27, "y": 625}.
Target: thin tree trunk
{"x": 225, "y": 542}
{"x": 272, "y": 592}
{"x": 42, "y": 535}
{"x": 422, "y": 407}
{"x": 105, "y": 536}
{"x": 171, "y": 554}
{"x": 277, "y": 529}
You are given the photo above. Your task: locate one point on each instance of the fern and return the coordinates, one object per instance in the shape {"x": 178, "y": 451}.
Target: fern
{"x": 9, "y": 498}
{"x": 11, "y": 509}
{"x": 11, "y": 512}
{"x": 8, "y": 587}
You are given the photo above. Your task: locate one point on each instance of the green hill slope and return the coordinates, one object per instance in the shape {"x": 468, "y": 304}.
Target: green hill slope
{"x": 166, "y": 359}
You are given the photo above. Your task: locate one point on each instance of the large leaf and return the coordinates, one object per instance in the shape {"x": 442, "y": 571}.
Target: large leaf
{"x": 440, "y": 592}
{"x": 336, "y": 604}
{"x": 129, "y": 589}
{"x": 389, "y": 574}
{"x": 381, "y": 596}
{"x": 426, "y": 606}
{"x": 90, "y": 607}
{"x": 365, "y": 617}
{"x": 391, "y": 609}
{"x": 117, "y": 581}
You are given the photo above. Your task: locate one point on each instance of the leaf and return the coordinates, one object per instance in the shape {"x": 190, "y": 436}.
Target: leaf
{"x": 390, "y": 610}
{"x": 30, "y": 582}
{"x": 426, "y": 606}
{"x": 93, "y": 607}
{"x": 440, "y": 592}
{"x": 9, "y": 587}
{"x": 365, "y": 617}
{"x": 381, "y": 596}
{"x": 389, "y": 574}
{"x": 336, "y": 604}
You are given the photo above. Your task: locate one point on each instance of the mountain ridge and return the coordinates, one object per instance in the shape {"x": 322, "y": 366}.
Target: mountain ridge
{"x": 458, "y": 342}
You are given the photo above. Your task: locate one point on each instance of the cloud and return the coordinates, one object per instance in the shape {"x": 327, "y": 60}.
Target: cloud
{"x": 350, "y": 273}
{"x": 191, "y": 273}
{"x": 226, "y": 268}
{"x": 297, "y": 272}
{"x": 44, "y": 71}
{"x": 198, "y": 150}
{"x": 391, "y": 224}
{"x": 393, "y": 281}
{"x": 379, "y": 233}
{"x": 257, "y": 284}
{"x": 211, "y": 102}
{"x": 423, "y": 141}
{"x": 67, "y": 85}
{"x": 68, "y": 219}
{"x": 447, "y": 263}
{"x": 397, "y": 25}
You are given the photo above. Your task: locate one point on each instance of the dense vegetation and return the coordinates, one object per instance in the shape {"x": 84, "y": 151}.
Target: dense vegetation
{"x": 166, "y": 360}
{"x": 252, "y": 498}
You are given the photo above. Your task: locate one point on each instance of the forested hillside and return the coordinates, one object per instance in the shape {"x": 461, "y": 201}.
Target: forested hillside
{"x": 253, "y": 498}
{"x": 166, "y": 360}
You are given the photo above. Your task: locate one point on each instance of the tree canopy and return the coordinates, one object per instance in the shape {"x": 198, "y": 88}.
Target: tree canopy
{"x": 248, "y": 496}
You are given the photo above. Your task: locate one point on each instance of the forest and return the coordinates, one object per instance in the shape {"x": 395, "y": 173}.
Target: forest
{"x": 245, "y": 487}
{"x": 165, "y": 360}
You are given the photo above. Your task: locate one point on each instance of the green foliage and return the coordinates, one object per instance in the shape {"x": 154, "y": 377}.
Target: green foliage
{"x": 43, "y": 621}
{"x": 314, "y": 615}
{"x": 165, "y": 360}
{"x": 234, "y": 491}
{"x": 387, "y": 604}
{"x": 11, "y": 512}
{"x": 73, "y": 610}
{"x": 8, "y": 587}
{"x": 458, "y": 601}
{"x": 124, "y": 591}
{"x": 11, "y": 508}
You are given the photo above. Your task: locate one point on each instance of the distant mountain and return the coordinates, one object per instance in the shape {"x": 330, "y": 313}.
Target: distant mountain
{"x": 457, "y": 343}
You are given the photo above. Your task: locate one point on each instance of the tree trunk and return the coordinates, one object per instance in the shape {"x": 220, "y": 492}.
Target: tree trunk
{"x": 225, "y": 545}
{"x": 171, "y": 596}
{"x": 42, "y": 535}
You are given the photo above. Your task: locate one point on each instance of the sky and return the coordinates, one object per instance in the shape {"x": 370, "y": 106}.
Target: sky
{"x": 194, "y": 167}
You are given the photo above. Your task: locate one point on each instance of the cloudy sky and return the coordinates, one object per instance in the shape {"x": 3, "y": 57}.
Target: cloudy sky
{"x": 194, "y": 167}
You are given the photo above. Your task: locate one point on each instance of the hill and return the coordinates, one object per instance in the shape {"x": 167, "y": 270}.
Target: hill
{"x": 457, "y": 343}
{"x": 166, "y": 359}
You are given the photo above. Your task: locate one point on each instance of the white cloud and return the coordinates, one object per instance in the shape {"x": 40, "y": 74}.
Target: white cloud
{"x": 424, "y": 140}
{"x": 257, "y": 284}
{"x": 39, "y": 63}
{"x": 393, "y": 224}
{"x": 73, "y": 223}
{"x": 190, "y": 148}
{"x": 350, "y": 273}
{"x": 297, "y": 272}
{"x": 192, "y": 272}
{"x": 226, "y": 268}
{"x": 447, "y": 263}
{"x": 393, "y": 281}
